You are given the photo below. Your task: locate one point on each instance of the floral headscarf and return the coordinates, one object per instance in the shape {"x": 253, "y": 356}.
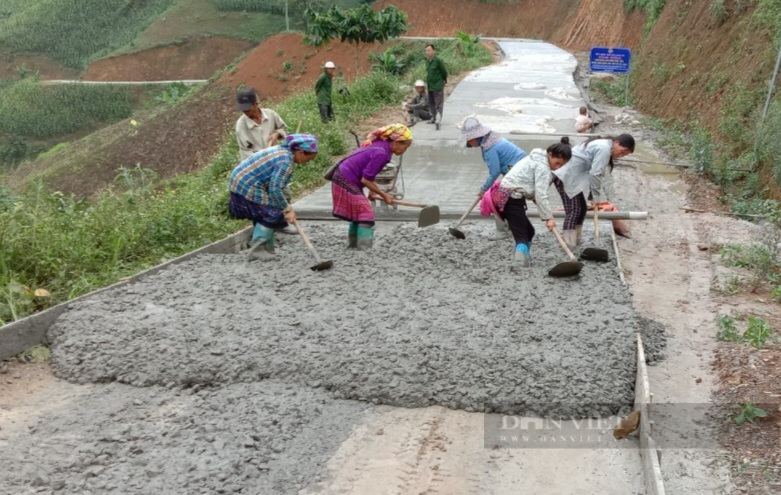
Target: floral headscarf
{"x": 393, "y": 132}
{"x": 304, "y": 142}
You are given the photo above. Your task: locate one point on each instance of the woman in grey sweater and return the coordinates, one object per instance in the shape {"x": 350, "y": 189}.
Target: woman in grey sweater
{"x": 588, "y": 173}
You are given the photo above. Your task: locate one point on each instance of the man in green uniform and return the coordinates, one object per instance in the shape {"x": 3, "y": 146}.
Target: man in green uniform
{"x": 323, "y": 90}
{"x": 436, "y": 77}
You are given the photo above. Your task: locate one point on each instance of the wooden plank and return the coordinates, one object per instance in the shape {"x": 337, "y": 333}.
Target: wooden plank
{"x": 652, "y": 470}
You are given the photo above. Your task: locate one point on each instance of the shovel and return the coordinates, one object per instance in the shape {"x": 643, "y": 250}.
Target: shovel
{"x": 565, "y": 268}
{"x": 595, "y": 253}
{"x": 454, "y": 230}
{"x": 429, "y": 215}
{"x": 321, "y": 265}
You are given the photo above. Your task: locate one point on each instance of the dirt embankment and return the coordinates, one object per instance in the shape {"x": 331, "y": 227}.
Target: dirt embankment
{"x": 572, "y": 24}
{"x": 689, "y": 61}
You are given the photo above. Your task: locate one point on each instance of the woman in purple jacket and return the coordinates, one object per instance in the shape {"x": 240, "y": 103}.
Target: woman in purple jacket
{"x": 359, "y": 170}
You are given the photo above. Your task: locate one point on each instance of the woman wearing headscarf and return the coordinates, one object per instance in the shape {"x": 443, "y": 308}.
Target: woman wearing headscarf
{"x": 588, "y": 173}
{"x": 359, "y": 170}
{"x": 499, "y": 156}
{"x": 256, "y": 190}
{"x": 529, "y": 179}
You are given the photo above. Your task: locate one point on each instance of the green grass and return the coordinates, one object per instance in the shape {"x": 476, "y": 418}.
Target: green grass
{"x": 70, "y": 247}
{"x": 75, "y": 32}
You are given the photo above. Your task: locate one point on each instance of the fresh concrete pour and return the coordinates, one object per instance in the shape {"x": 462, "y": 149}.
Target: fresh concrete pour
{"x": 423, "y": 319}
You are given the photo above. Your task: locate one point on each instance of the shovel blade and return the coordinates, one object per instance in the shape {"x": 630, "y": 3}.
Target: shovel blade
{"x": 323, "y": 265}
{"x": 428, "y": 216}
{"x": 594, "y": 254}
{"x": 456, "y": 233}
{"x": 566, "y": 269}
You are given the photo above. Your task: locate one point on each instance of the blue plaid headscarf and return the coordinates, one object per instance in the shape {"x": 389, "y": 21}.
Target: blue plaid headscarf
{"x": 305, "y": 142}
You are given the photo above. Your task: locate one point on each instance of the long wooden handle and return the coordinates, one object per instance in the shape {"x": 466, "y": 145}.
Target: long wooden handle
{"x": 463, "y": 217}
{"x": 298, "y": 128}
{"x": 596, "y": 222}
{"x": 306, "y": 240}
{"x": 407, "y": 203}
{"x": 563, "y": 244}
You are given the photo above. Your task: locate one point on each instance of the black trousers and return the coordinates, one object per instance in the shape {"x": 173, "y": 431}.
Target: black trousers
{"x": 326, "y": 113}
{"x": 515, "y": 214}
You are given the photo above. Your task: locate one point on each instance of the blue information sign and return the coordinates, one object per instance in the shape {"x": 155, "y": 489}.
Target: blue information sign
{"x": 605, "y": 59}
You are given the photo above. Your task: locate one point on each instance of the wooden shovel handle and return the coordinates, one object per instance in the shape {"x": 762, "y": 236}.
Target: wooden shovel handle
{"x": 563, "y": 244}
{"x": 306, "y": 240}
{"x": 407, "y": 203}
{"x": 596, "y": 222}
{"x": 463, "y": 217}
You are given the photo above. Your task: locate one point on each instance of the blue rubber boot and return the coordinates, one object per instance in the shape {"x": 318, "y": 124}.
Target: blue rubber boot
{"x": 262, "y": 244}
{"x": 365, "y": 237}
{"x": 522, "y": 255}
{"x": 352, "y": 236}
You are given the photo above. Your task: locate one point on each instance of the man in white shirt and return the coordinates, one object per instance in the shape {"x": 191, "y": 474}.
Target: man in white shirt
{"x": 258, "y": 129}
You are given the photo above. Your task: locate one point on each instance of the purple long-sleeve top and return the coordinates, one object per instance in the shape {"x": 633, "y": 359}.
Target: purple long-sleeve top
{"x": 366, "y": 163}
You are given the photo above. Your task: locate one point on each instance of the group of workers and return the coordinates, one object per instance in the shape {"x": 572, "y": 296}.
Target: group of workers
{"x": 259, "y": 184}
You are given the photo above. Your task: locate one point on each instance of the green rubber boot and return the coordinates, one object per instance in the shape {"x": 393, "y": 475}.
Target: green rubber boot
{"x": 352, "y": 236}
{"x": 262, "y": 244}
{"x": 365, "y": 237}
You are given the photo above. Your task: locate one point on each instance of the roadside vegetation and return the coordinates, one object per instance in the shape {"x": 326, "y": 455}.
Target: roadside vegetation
{"x": 54, "y": 248}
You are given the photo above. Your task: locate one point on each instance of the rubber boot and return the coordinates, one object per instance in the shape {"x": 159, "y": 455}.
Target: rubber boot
{"x": 578, "y": 234}
{"x": 365, "y": 237}
{"x": 352, "y": 236}
{"x": 502, "y": 230}
{"x": 262, "y": 244}
{"x": 570, "y": 238}
{"x": 522, "y": 256}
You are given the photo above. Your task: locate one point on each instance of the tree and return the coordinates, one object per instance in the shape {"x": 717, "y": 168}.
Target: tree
{"x": 359, "y": 25}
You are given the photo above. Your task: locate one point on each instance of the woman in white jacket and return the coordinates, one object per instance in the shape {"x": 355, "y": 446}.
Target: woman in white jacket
{"x": 529, "y": 179}
{"x": 588, "y": 173}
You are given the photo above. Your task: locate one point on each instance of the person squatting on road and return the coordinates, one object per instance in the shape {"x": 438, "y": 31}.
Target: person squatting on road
{"x": 258, "y": 129}
{"x": 256, "y": 190}
{"x": 417, "y": 107}
{"x": 528, "y": 179}
{"x": 436, "y": 78}
{"x": 499, "y": 156}
{"x": 359, "y": 170}
{"x": 323, "y": 89}
{"x": 588, "y": 172}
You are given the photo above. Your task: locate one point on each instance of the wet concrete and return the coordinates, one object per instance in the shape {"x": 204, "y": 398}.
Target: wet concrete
{"x": 424, "y": 319}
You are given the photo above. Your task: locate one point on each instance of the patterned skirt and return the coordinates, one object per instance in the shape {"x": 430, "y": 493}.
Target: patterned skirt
{"x": 349, "y": 201}
{"x": 244, "y": 209}
{"x": 500, "y": 196}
